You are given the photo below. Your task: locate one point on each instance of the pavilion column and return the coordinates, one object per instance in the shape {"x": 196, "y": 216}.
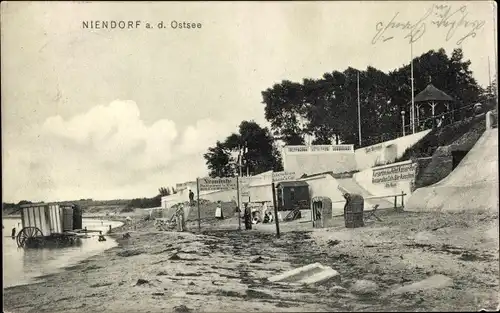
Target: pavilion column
{"x": 433, "y": 120}
{"x": 418, "y": 116}
{"x": 450, "y": 117}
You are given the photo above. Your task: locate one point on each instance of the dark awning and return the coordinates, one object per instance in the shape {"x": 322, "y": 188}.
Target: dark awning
{"x": 292, "y": 184}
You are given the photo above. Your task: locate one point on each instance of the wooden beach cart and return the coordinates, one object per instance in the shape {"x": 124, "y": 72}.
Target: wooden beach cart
{"x": 53, "y": 224}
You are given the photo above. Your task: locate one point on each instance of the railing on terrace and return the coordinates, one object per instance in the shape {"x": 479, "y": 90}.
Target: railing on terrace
{"x": 446, "y": 118}
{"x": 320, "y": 148}
{"x": 423, "y": 124}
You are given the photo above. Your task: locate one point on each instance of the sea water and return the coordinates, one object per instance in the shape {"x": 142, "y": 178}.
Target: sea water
{"x": 22, "y": 266}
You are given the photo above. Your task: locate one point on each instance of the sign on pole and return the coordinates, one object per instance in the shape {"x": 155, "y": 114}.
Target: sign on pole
{"x": 198, "y": 202}
{"x": 210, "y": 184}
{"x": 239, "y": 204}
{"x": 276, "y": 219}
{"x": 244, "y": 186}
{"x": 283, "y": 176}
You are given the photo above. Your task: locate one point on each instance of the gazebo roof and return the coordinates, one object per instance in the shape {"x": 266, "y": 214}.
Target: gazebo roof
{"x": 431, "y": 93}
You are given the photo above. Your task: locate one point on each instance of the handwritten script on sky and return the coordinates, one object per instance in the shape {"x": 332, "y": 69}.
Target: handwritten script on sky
{"x": 454, "y": 20}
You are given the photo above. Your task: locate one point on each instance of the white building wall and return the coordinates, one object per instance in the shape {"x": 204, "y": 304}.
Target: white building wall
{"x": 386, "y": 152}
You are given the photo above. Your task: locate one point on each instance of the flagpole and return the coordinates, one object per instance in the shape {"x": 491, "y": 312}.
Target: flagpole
{"x": 496, "y": 58}
{"x": 412, "y": 91}
{"x": 359, "y": 115}
{"x": 239, "y": 163}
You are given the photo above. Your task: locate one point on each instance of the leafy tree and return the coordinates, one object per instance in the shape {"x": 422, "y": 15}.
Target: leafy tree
{"x": 277, "y": 159}
{"x": 284, "y": 109}
{"x": 452, "y": 75}
{"x": 378, "y": 115}
{"x": 259, "y": 153}
{"x": 463, "y": 85}
{"x": 329, "y": 104}
{"x": 218, "y": 161}
{"x": 321, "y": 109}
{"x": 256, "y": 145}
{"x": 489, "y": 95}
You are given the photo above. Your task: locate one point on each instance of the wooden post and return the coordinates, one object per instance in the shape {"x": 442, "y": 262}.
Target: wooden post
{"x": 322, "y": 217}
{"x": 312, "y": 213}
{"x": 402, "y": 199}
{"x": 198, "y": 202}
{"x": 276, "y": 212}
{"x": 239, "y": 205}
{"x": 22, "y": 219}
{"x": 395, "y": 202}
{"x": 489, "y": 119}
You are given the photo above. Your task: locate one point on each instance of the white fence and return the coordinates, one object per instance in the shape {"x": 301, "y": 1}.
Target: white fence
{"x": 318, "y": 148}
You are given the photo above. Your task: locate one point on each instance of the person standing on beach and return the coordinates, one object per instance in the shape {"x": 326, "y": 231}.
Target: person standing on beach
{"x": 13, "y": 233}
{"x": 179, "y": 219}
{"x": 191, "y": 197}
{"x": 218, "y": 211}
{"x": 347, "y": 198}
{"x": 247, "y": 216}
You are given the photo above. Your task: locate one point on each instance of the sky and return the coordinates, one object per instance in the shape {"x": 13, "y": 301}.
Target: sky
{"x": 118, "y": 113}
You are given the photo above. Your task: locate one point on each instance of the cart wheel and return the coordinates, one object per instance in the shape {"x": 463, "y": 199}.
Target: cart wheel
{"x": 29, "y": 234}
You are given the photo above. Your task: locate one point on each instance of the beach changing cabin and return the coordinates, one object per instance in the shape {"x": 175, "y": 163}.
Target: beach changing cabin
{"x": 293, "y": 195}
{"x": 48, "y": 223}
{"x": 50, "y": 218}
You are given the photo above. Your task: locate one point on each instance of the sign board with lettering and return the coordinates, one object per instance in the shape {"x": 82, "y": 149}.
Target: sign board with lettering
{"x": 209, "y": 184}
{"x": 246, "y": 180}
{"x": 283, "y": 176}
{"x": 392, "y": 174}
{"x": 244, "y": 183}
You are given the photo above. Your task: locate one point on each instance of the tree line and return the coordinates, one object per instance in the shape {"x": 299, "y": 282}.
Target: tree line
{"x": 9, "y": 208}
{"x": 327, "y": 109}
{"x": 144, "y": 203}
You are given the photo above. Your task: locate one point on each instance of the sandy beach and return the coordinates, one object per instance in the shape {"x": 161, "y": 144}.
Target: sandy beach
{"x": 406, "y": 262}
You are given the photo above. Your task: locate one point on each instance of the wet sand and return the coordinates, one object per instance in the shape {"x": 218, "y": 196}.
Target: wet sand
{"x": 223, "y": 269}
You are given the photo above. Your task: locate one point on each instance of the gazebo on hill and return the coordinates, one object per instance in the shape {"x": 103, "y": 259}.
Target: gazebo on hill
{"x": 438, "y": 101}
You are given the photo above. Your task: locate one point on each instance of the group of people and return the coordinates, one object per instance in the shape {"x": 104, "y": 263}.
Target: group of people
{"x": 250, "y": 219}
{"x": 247, "y": 214}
